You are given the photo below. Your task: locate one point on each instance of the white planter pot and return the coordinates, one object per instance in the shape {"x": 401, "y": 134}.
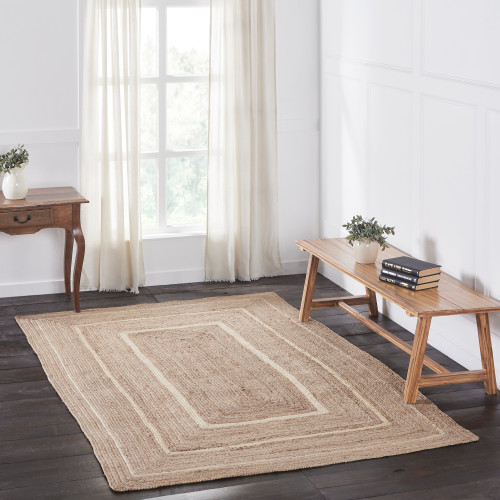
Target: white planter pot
{"x": 14, "y": 185}
{"x": 365, "y": 252}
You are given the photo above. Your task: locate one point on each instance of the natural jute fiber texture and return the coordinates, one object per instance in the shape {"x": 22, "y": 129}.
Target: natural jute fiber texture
{"x": 196, "y": 390}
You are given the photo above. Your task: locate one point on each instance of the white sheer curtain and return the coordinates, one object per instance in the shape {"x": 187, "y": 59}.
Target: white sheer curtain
{"x": 242, "y": 214}
{"x": 110, "y": 146}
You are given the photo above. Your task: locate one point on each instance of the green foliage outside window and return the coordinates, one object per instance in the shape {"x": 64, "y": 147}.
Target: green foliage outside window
{"x": 186, "y": 130}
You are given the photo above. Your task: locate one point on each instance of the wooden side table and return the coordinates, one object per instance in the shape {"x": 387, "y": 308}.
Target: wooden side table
{"x": 47, "y": 208}
{"x": 450, "y": 298}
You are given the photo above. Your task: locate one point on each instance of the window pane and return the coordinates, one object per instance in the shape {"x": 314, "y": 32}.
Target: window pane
{"x": 187, "y": 190}
{"x": 188, "y": 33}
{"x": 149, "y": 41}
{"x": 187, "y": 115}
{"x": 149, "y": 118}
{"x": 149, "y": 190}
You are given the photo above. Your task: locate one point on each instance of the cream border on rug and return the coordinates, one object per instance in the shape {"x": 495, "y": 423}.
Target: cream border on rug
{"x": 195, "y": 390}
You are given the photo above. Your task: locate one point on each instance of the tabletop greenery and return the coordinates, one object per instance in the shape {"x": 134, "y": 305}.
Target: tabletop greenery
{"x": 360, "y": 229}
{"x": 13, "y": 159}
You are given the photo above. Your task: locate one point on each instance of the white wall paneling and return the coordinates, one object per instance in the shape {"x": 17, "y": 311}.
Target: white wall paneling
{"x": 461, "y": 39}
{"x": 491, "y": 235}
{"x": 299, "y": 201}
{"x": 344, "y": 143}
{"x": 362, "y": 30}
{"x": 39, "y": 54}
{"x": 447, "y": 191}
{"x": 390, "y": 158}
{"x": 427, "y": 119}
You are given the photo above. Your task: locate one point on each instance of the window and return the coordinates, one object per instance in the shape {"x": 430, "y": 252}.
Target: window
{"x": 174, "y": 114}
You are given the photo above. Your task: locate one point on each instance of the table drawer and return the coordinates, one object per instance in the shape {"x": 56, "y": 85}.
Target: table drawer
{"x": 25, "y": 218}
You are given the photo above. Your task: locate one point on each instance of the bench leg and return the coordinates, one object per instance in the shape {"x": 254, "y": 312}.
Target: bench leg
{"x": 307, "y": 295}
{"x": 416, "y": 360}
{"x": 483, "y": 331}
{"x": 372, "y": 302}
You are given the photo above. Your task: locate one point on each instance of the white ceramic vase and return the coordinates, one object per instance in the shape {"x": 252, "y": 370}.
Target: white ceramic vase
{"x": 366, "y": 251}
{"x": 14, "y": 185}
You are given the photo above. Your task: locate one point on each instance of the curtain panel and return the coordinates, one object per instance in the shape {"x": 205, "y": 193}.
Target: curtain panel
{"x": 242, "y": 213}
{"x": 110, "y": 146}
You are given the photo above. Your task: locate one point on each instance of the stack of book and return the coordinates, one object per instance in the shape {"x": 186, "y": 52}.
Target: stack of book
{"x": 410, "y": 273}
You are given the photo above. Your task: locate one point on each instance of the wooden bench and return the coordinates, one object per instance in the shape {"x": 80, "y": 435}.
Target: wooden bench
{"x": 450, "y": 298}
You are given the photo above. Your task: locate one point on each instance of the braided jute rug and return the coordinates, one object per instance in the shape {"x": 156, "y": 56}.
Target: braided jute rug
{"x": 189, "y": 391}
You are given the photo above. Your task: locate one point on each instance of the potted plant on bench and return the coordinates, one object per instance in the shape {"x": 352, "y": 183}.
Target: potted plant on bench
{"x": 367, "y": 237}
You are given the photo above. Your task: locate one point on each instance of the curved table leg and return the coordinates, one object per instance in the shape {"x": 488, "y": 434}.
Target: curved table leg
{"x": 80, "y": 253}
{"x": 68, "y": 256}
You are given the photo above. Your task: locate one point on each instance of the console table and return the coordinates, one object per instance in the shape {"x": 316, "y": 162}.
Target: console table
{"x": 450, "y": 298}
{"x": 46, "y": 208}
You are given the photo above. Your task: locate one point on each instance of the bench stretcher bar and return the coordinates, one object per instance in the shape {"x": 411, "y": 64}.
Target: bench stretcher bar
{"x": 435, "y": 367}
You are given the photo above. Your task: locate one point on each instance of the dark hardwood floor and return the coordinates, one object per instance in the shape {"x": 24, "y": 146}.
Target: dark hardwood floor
{"x": 43, "y": 453}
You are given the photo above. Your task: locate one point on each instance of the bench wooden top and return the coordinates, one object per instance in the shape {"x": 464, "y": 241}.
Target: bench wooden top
{"x": 451, "y": 296}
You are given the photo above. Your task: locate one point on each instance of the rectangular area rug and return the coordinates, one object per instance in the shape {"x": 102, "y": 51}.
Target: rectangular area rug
{"x": 195, "y": 390}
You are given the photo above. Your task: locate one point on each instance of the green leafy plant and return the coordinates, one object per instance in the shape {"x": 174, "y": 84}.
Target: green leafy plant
{"x": 360, "y": 229}
{"x": 13, "y": 159}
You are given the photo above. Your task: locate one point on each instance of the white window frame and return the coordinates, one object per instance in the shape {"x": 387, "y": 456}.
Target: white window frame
{"x": 163, "y": 154}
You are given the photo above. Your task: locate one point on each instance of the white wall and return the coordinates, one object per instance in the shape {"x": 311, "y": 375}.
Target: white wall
{"x": 410, "y": 127}
{"x": 39, "y": 106}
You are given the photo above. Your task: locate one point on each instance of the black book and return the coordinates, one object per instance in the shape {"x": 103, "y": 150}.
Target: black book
{"x": 390, "y": 273}
{"x": 409, "y": 265}
{"x": 406, "y": 284}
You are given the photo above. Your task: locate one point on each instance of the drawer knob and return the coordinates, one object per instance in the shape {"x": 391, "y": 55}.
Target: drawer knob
{"x": 28, "y": 218}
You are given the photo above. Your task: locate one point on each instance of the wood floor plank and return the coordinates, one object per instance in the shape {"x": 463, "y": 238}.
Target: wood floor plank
{"x": 15, "y": 375}
{"x": 408, "y": 476}
{"x": 67, "y": 305}
{"x": 14, "y": 352}
{"x": 27, "y": 360}
{"x": 47, "y": 470}
{"x": 61, "y": 297}
{"x": 26, "y": 390}
{"x": 476, "y": 490}
{"x": 32, "y": 409}
{"x": 55, "y": 425}
{"x": 477, "y": 417}
{"x": 84, "y": 489}
{"x": 297, "y": 488}
{"x": 11, "y": 349}
{"x": 436, "y": 468}
{"x": 41, "y": 448}
{"x": 469, "y": 398}
{"x": 286, "y": 476}
{"x": 443, "y": 478}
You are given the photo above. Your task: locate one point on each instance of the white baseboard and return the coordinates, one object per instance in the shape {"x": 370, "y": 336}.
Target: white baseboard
{"x": 175, "y": 277}
{"x": 197, "y": 275}
{"x": 295, "y": 266}
{"x": 157, "y": 278}
{"x": 31, "y": 288}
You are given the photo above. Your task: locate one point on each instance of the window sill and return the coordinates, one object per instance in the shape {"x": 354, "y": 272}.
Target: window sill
{"x": 187, "y": 234}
